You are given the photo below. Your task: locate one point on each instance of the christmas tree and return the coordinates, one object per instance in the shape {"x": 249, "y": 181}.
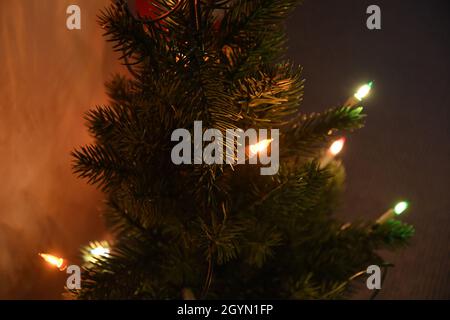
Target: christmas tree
{"x": 220, "y": 230}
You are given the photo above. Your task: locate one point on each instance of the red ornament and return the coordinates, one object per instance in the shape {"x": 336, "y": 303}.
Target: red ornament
{"x": 144, "y": 9}
{"x": 218, "y": 15}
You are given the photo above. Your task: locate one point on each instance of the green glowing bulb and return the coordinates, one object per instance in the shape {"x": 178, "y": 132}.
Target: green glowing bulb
{"x": 363, "y": 91}
{"x": 401, "y": 207}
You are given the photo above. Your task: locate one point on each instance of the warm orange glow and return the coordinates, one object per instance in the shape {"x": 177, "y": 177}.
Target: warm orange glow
{"x": 258, "y": 147}
{"x": 337, "y": 146}
{"x": 53, "y": 260}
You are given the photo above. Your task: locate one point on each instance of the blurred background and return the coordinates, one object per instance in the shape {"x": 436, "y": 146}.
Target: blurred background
{"x": 49, "y": 76}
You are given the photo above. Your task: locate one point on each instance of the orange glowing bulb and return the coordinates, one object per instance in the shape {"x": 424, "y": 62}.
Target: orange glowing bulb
{"x": 258, "y": 147}
{"x": 53, "y": 260}
{"x": 337, "y": 146}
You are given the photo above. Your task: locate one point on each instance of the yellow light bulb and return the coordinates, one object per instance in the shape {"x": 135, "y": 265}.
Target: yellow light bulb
{"x": 258, "y": 147}
{"x": 52, "y": 260}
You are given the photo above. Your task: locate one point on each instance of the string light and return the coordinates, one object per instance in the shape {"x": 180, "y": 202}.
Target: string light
{"x": 363, "y": 91}
{"x": 55, "y": 261}
{"x": 256, "y": 148}
{"x": 401, "y": 207}
{"x": 334, "y": 149}
{"x": 337, "y": 146}
{"x": 398, "y": 209}
{"x": 96, "y": 250}
{"x": 359, "y": 95}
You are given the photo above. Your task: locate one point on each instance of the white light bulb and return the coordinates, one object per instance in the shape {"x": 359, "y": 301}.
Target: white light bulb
{"x": 363, "y": 91}
{"x": 337, "y": 146}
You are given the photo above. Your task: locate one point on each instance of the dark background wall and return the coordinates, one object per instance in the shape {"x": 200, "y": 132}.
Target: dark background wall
{"x": 404, "y": 150}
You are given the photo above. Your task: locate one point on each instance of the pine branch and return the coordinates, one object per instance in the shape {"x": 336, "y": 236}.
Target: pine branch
{"x": 393, "y": 234}
{"x": 246, "y": 17}
{"x": 271, "y": 97}
{"x": 297, "y": 193}
{"x": 312, "y": 132}
{"x": 99, "y": 166}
